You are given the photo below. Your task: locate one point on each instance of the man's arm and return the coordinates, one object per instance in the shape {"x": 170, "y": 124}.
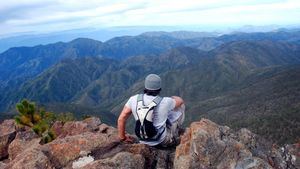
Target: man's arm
{"x": 179, "y": 101}
{"x": 126, "y": 112}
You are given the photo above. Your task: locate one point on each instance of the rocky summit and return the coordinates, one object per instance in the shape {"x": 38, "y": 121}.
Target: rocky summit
{"x": 91, "y": 144}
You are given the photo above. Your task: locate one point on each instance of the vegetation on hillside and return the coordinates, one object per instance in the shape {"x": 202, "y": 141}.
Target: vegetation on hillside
{"x": 39, "y": 120}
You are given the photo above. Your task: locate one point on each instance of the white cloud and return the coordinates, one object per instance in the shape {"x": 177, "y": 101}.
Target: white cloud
{"x": 55, "y": 15}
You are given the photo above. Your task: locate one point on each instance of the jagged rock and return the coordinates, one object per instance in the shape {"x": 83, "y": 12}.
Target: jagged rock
{"x": 64, "y": 150}
{"x": 58, "y": 128}
{"x": 24, "y": 140}
{"x": 92, "y": 122}
{"x": 277, "y": 157}
{"x": 104, "y": 128}
{"x": 32, "y": 158}
{"x": 261, "y": 148}
{"x": 164, "y": 159}
{"x": 291, "y": 155}
{"x": 151, "y": 158}
{"x": 294, "y": 151}
{"x": 90, "y": 144}
{"x": 2, "y": 165}
{"x": 7, "y": 134}
{"x": 119, "y": 161}
{"x": 207, "y": 145}
{"x": 75, "y": 127}
{"x": 154, "y": 157}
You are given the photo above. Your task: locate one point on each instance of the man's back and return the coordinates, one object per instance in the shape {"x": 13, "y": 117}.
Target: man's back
{"x": 160, "y": 115}
{"x": 164, "y": 121}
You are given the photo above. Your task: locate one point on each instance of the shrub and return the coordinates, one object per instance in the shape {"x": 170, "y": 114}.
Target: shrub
{"x": 64, "y": 117}
{"x": 38, "y": 120}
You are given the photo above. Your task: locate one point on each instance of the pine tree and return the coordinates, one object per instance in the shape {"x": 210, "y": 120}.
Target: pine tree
{"x": 39, "y": 121}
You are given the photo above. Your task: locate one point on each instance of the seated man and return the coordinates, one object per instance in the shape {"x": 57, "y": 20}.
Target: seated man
{"x": 158, "y": 120}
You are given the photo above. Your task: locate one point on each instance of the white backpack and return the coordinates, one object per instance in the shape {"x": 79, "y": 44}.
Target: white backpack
{"x": 144, "y": 127}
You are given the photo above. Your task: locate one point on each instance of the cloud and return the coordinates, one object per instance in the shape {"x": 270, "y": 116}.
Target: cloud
{"x": 219, "y": 12}
{"x": 56, "y": 15}
{"x": 14, "y": 10}
{"x": 62, "y": 12}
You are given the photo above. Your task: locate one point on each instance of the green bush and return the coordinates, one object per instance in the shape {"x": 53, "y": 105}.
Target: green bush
{"x": 64, "y": 117}
{"x": 38, "y": 120}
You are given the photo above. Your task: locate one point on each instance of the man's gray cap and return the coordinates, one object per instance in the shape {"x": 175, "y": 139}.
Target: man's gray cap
{"x": 152, "y": 82}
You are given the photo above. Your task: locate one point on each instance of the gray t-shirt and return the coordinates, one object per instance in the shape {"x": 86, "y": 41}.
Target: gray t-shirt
{"x": 160, "y": 113}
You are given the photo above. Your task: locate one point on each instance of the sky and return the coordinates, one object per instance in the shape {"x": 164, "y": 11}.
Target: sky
{"x": 41, "y": 16}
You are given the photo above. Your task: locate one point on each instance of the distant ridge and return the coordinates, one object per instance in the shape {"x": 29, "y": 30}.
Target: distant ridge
{"x": 181, "y": 34}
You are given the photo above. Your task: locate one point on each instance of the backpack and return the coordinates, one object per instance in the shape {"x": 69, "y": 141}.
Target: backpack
{"x": 144, "y": 128}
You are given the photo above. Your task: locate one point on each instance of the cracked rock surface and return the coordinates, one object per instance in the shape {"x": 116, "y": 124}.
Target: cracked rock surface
{"x": 92, "y": 144}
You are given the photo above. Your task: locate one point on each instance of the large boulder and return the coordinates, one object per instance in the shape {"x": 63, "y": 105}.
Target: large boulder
{"x": 64, "y": 150}
{"x": 277, "y": 157}
{"x": 7, "y": 135}
{"x": 24, "y": 140}
{"x": 75, "y": 127}
{"x": 119, "y": 161}
{"x": 92, "y": 123}
{"x": 208, "y": 145}
{"x": 32, "y": 158}
{"x": 128, "y": 156}
{"x": 157, "y": 158}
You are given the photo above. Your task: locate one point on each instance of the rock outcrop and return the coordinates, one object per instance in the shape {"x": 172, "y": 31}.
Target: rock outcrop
{"x": 207, "y": 145}
{"x": 7, "y": 135}
{"x": 24, "y": 140}
{"x": 90, "y": 144}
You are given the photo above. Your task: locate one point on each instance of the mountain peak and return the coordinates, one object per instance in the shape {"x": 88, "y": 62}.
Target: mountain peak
{"x": 84, "y": 40}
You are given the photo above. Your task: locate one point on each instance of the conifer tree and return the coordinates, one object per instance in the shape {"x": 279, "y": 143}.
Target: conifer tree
{"x": 39, "y": 121}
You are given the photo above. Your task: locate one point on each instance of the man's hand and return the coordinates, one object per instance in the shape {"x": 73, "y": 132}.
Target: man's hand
{"x": 126, "y": 112}
{"x": 127, "y": 139}
{"x": 179, "y": 101}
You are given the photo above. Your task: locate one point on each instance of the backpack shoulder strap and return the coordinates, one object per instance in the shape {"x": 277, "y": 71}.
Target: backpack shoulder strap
{"x": 157, "y": 100}
{"x": 140, "y": 97}
{"x": 140, "y": 101}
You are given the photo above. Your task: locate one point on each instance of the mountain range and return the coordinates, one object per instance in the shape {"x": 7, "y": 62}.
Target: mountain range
{"x": 242, "y": 80}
